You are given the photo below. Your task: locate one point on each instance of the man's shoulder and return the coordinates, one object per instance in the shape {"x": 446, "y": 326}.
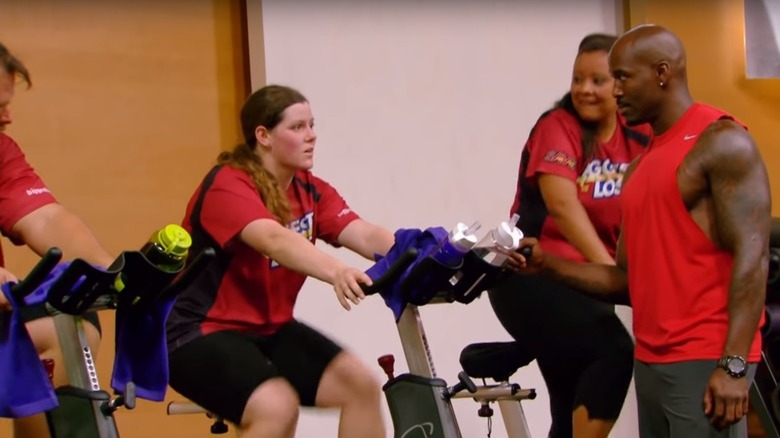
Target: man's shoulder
{"x": 724, "y": 141}
{"x": 711, "y": 114}
{"x": 7, "y": 142}
{"x": 703, "y": 124}
{"x": 726, "y": 134}
{"x": 705, "y": 108}
{"x": 10, "y": 152}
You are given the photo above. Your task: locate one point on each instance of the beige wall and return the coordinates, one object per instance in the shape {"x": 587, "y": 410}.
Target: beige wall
{"x": 713, "y": 34}
{"x": 131, "y": 102}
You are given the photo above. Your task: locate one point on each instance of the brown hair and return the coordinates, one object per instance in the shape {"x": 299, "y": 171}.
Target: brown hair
{"x": 13, "y": 65}
{"x": 263, "y": 108}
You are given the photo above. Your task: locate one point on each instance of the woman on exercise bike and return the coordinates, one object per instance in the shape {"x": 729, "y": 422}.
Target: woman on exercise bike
{"x": 567, "y": 196}
{"x": 235, "y": 348}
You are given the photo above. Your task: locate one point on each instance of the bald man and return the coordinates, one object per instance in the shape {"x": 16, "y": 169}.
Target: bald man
{"x": 695, "y": 233}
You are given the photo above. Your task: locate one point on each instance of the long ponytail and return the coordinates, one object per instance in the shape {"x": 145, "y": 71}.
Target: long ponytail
{"x": 243, "y": 157}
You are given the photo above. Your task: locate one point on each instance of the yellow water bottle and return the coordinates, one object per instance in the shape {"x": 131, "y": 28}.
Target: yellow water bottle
{"x": 167, "y": 249}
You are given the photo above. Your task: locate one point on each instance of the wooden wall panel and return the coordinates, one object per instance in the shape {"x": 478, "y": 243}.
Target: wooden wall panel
{"x": 131, "y": 102}
{"x": 713, "y": 33}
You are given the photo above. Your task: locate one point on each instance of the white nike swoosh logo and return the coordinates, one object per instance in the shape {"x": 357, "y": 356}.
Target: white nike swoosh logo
{"x": 689, "y": 137}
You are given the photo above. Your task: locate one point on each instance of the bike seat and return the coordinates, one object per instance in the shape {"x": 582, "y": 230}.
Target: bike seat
{"x": 495, "y": 360}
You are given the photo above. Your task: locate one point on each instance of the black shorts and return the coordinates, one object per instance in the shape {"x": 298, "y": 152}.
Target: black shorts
{"x": 583, "y": 350}
{"x": 220, "y": 371}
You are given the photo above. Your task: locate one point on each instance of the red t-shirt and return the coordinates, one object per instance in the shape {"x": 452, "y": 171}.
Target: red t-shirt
{"x": 21, "y": 189}
{"x": 678, "y": 278}
{"x": 555, "y": 147}
{"x": 252, "y": 292}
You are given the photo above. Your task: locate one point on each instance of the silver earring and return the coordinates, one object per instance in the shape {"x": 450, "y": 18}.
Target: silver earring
{"x": 661, "y": 84}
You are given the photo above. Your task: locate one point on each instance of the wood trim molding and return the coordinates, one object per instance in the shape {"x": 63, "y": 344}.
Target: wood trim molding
{"x": 634, "y": 12}
{"x": 255, "y": 43}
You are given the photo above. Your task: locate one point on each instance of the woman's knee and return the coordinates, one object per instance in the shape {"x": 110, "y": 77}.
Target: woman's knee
{"x": 348, "y": 380}
{"x": 275, "y": 401}
{"x": 359, "y": 379}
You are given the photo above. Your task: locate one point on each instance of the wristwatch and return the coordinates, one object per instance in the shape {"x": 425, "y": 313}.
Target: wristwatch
{"x": 735, "y": 366}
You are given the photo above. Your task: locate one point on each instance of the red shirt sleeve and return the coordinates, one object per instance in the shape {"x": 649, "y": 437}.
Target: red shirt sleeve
{"x": 333, "y": 214}
{"x": 230, "y": 204}
{"x": 555, "y": 146}
{"x": 22, "y": 191}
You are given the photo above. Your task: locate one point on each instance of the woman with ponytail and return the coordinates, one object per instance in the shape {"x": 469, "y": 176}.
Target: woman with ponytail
{"x": 235, "y": 348}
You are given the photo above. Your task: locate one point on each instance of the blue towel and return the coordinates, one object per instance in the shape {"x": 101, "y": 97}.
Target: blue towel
{"x": 25, "y": 388}
{"x": 141, "y": 354}
{"x": 427, "y": 243}
{"x": 41, "y": 293}
{"x": 141, "y": 350}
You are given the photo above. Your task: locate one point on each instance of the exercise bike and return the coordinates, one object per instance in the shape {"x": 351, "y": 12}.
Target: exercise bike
{"x": 85, "y": 410}
{"x": 420, "y": 401}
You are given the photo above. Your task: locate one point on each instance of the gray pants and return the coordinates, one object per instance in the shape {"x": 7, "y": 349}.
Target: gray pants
{"x": 670, "y": 400}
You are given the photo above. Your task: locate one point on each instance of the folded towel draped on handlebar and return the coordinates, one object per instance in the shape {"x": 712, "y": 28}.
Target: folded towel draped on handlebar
{"x": 25, "y": 388}
{"x": 141, "y": 354}
{"x": 425, "y": 242}
{"x": 141, "y": 349}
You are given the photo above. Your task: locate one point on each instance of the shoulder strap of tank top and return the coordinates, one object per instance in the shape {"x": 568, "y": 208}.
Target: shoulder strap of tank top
{"x": 631, "y": 134}
{"x": 207, "y": 182}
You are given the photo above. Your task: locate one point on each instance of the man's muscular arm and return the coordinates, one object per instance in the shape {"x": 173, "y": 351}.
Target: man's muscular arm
{"x": 739, "y": 187}
{"x": 600, "y": 281}
{"x": 603, "y": 282}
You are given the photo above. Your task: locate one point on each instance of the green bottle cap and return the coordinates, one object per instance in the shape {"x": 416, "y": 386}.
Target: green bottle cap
{"x": 174, "y": 240}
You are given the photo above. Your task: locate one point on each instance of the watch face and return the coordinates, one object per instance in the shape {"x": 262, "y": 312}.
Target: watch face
{"x": 736, "y": 366}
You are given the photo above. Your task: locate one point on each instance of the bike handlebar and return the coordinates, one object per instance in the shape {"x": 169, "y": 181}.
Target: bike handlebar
{"x": 81, "y": 285}
{"x": 397, "y": 268}
{"x": 38, "y": 273}
{"x": 394, "y": 271}
{"x": 525, "y": 251}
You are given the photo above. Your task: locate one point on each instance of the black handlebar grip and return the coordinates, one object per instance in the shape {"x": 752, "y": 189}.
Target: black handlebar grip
{"x": 525, "y": 251}
{"x": 393, "y": 272}
{"x": 37, "y": 274}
